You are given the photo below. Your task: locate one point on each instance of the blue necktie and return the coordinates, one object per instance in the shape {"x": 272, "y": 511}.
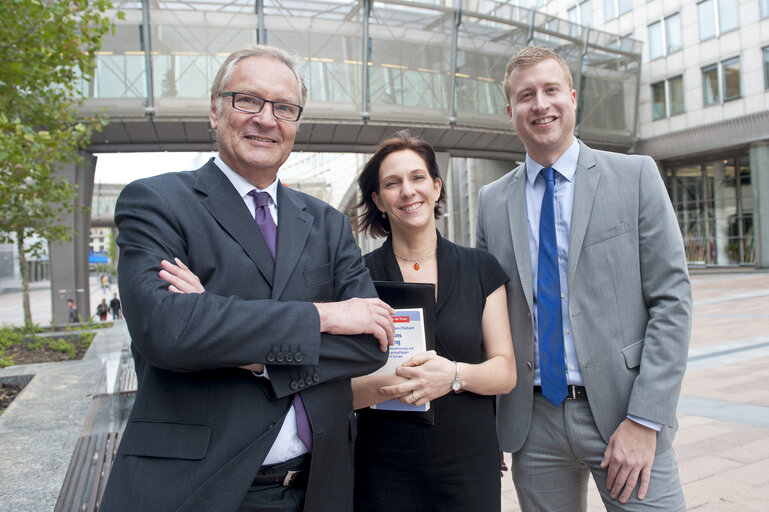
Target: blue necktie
{"x": 549, "y": 323}
{"x": 269, "y": 230}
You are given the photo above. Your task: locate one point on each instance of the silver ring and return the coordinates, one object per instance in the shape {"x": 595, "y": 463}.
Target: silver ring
{"x": 412, "y": 394}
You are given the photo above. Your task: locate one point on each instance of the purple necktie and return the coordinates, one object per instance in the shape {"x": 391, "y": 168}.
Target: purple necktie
{"x": 269, "y": 231}
{"x": 264, "y": 220}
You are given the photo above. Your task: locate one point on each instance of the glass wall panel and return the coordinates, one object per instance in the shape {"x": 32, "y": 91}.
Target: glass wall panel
{"x": 328, "y": 35}
{"x": 659, "y": 109}
{"x": 693, "y": 201}
{"x": 676, "y": 87}
{"x": 764, "y": 8}
{"x": 484, "y": 46}
{"x": 710, "y": 85}
{"x": 120, "y": 66}
{"x": 188, "y": 46}
{"x": 410, "y": 69}
{"x": 707, "y": 19}
{"x": 607, "y": 96}
{"x": 731, "y": 70}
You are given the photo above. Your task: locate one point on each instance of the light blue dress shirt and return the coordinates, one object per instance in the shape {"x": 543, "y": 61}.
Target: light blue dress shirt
{"x": 563, "y": 198}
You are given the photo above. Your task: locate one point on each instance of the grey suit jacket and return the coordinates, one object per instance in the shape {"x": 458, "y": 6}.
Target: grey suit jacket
{"x": 629, "y": 292}
{"x": 201, "y": 427}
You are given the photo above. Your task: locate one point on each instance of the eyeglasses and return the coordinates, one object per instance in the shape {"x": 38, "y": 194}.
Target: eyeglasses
{"x": 251, "y": 104}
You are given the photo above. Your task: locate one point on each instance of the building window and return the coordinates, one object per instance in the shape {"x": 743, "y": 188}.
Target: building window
{"x": 731, "y": 72}
{"x": 721, "y": 82}
{"x": 581, "y": 14}
{"x": 668, "y": 98}
{"x": 717, "y": 17}
{"x": 764, "y": 8}
{"x": 667, "y": 42}
{"x": 766, "y": 67}
{"x": 673, "y": 41}
{"x": 612, "y": 7}
{"x": 710, "y": 89}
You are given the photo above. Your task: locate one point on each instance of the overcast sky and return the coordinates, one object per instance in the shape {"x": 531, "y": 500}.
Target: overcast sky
{"x": 126, "y": 167}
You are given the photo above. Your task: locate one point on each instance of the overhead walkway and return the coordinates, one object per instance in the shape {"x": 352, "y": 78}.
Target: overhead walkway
{"x": 373, "y": 67}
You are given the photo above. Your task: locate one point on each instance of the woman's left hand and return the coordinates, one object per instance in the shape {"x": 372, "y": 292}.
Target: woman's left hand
{"x": 430, "y": 377}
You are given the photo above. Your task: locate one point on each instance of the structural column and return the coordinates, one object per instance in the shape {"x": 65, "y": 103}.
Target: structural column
{"x": 69, "y": 260}
{"x": 759, "y": 177}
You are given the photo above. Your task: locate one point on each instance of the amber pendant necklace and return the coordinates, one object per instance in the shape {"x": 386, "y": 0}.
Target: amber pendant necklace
{"x": 417, "y": 260}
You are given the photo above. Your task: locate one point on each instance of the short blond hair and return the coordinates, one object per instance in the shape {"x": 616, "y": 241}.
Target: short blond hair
{"x": 529, "y": 56}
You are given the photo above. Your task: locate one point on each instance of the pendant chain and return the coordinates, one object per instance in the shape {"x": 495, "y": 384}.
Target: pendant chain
{"x": 417, "y": 260}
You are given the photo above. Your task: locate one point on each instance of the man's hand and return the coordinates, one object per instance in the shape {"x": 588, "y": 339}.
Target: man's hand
{"x": 630, "y": 453}
{"x": 179, "y": 277}
{"x": 358, "y": 316}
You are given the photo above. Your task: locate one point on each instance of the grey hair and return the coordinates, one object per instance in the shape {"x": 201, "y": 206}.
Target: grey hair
{"x": 257, "y": 50}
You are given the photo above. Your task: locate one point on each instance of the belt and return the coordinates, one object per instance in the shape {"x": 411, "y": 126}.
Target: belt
{"x": 574, "y": 392}
{"x": 285, "y": 478}
{"x": 290, "y": 473}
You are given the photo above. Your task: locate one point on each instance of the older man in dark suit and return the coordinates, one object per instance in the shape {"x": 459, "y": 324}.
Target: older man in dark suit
{"x": 244, "y": 399}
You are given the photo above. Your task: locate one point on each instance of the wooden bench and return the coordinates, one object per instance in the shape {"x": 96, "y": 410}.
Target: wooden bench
{"x": 88, "y": 472}
{"x": 94, "y": 454}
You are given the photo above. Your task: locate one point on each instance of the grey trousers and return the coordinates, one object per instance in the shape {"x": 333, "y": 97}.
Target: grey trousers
{"x": 563, "y": 448}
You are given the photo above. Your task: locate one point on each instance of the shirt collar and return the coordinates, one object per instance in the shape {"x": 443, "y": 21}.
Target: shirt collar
{"x": 566, "y": 165}
{"x": 242, "y": 185}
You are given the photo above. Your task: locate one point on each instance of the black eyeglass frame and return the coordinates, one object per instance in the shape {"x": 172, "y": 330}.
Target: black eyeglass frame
{"x": 276, "y": 116}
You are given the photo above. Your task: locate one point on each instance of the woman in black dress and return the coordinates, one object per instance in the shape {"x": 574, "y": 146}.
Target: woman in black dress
{"x": 448, "y": 460}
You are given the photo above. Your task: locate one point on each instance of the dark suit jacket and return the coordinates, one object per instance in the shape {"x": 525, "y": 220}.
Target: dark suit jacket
{"x": 200, "y": 427}
{"x": 630, "y": 298}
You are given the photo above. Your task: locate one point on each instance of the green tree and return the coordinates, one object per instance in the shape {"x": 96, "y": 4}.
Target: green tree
{"x": 47, "y": 50}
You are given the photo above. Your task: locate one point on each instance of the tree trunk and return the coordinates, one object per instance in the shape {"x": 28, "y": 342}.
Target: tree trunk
{"x": 24, "y": 278}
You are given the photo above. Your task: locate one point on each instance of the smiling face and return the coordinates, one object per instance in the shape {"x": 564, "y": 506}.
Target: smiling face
{"x": 543, "y": 110}
{"x": 256, "y": 145}
{"x": 407, "y": 192}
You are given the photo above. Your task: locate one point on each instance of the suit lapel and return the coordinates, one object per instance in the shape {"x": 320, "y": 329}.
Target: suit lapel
{"x": 227, "y": 207}
{"x": 585, "y": 186}
{"x": 294, "y": 225}
{"x": 519, "y": 230}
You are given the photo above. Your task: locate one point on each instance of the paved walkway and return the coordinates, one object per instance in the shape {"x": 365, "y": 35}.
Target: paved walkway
{"x": 722, "y": 445}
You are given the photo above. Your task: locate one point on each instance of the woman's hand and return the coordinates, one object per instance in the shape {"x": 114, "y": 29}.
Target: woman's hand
{"x": 180, "y": 278}
{"x": 430, "y": 377}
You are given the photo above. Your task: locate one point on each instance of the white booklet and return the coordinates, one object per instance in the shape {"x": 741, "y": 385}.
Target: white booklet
{"x": 409, "y": 340}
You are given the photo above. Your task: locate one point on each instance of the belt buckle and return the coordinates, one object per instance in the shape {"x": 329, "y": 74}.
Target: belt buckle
{"x": 572, "y": 392}
{"x": 289, "y": 477}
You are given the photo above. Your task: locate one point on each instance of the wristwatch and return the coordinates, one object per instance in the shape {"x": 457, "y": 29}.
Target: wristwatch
{"x": 456, "y": 385}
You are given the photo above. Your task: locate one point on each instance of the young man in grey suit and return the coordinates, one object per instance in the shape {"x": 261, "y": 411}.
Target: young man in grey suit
{"x": 229, "y": 377}
{"x": 600, "y": 307}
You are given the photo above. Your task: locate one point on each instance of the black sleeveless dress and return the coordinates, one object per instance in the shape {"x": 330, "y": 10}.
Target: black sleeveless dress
{"x": 451, "y": 464}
